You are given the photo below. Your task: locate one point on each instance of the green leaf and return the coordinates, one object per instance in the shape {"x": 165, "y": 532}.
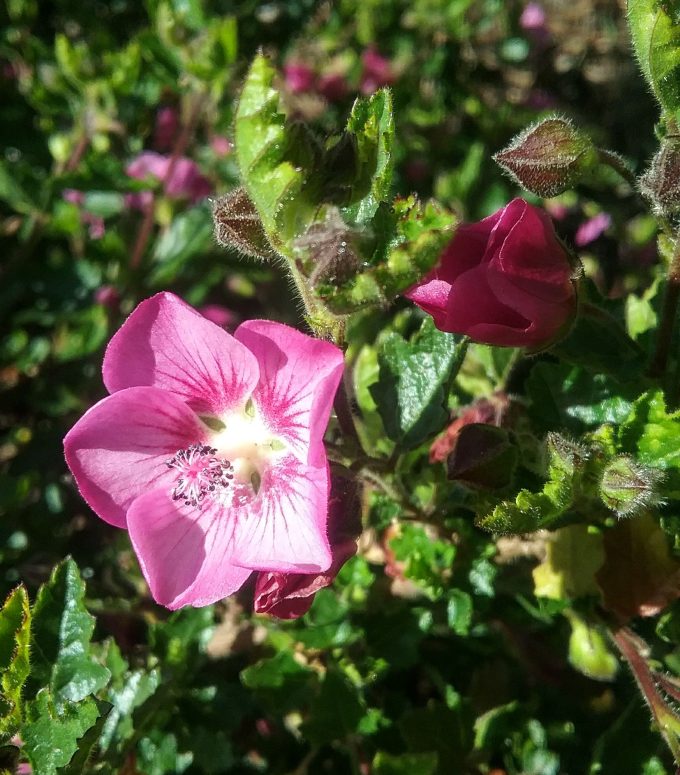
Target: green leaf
{"x": 51, "y": 736}
{"x": 274, "y": 157}
{"x": 459, "y": 611}
{"x": 568, "y": 466}
{"x": 189, "y": 235}
{"x": 125, "y": 696}
{"x": 653, "y": 432}
{"x": 336, "y": 710}
{"x": 656, "y": 39}
{"x": 104, "y": 203}
{"x": 15, "y": 625}
{"x": 440, "y": 729}
{"x": 80, "y": 333}
{"x": 600, "y": 344}
{"x": 415, "y": 235}
{"x": 280, "y": 681}
{"x": 564, "y": 396}
{"x": 371, "y": 126}
{"x": 61, "y": 631}
{"x": 588, "y": 650}
{"x": 414, "y": 381}
{"x": 405, "y": 764}
{"x": 12, "y": 193}
{"x": 573, "y": 556}
{"x": 426, "y": 560}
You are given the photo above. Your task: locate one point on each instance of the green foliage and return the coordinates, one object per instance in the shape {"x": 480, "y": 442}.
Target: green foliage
{"x": 439, "y": 648}
{"x": 656, "y": 38}
{"x": 414, "y": 380}
{"x": 275, "y": 158}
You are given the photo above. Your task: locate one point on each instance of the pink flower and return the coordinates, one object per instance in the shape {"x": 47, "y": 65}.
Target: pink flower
{"x": 221, "y": 146}
{"x": 377, "y": 71}
{"x": 73, "y": 196}
{"x": 505, "y": 280}
{"x": 166, "y": 128}
{"x": 182, "y": 180}
{"x": 220, "y": 316}
{"x": 138, "y": 200}
{"x": 289, "y": 595}
{"x": 209, "y": 449}
{"x": 533, "y": 17}
{"x": 298, "y": 76}
{"x": 591, "y": 229}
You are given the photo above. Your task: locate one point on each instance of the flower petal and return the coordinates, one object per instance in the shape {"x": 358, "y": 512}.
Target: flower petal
{"x": 298, "y": 379}
{"x": 183, "y": 551}
{"x": 119, "y": 448}
{"x": 168, "y": 344}
{"x": 285, "y": 528}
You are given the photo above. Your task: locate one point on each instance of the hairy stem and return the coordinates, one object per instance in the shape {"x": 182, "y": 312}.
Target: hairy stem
{"x": 631, "y": 648}
{"x": 614, "y": 161}
{"x": 343, "y": 411}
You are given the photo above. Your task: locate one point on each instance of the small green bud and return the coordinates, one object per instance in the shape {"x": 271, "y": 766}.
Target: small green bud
{"x": 589, "y": 652}
{"x": 238, "y": 226}
{"x": 566, "y": 455}
{"x": 627, "y": 487}
{"x": 660, "y": 183}
{"x": 549, "y": 157}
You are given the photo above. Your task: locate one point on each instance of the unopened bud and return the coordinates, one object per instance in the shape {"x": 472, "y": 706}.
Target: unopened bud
{"x": 549, "y": 157}
{"x": 566, "y": 455}
{"x": 328, "y": 250}
{"x": 628, "y": 487}
{"x": 660, "y": 183}
{"x": 483, "y": 457}
{"x": 238, "y": 226}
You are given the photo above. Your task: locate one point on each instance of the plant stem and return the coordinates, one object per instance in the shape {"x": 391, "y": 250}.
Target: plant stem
{"x": 671, "y": 299}
{"x": 343, "y": 411}
{"x": 630, "y": 647}
{"x": 614, "y": 161}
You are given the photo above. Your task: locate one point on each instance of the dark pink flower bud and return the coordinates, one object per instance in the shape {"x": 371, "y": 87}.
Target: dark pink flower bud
{"x": 377, "y": 71}
{"x": 298, "y": 76}
{"x": 107, "y": 296}
{"x": 166, "y": 128}
{"x": 506, "y": 280}
{"x": 332, "y": 86}
{"x": 290, "y": 595}
{"x": 591, "y": 229}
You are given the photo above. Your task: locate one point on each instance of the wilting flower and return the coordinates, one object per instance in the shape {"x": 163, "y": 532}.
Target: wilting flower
{"x": 289, "y": 595}
{"x": 506, "y": 280}
{"x": 209, "y": 449}
{"x": 183, "y": 179}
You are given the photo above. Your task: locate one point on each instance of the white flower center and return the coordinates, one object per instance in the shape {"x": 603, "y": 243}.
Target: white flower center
{"x": 231, "y": 466}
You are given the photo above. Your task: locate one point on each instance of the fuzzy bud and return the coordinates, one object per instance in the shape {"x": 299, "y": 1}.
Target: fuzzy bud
{"x": 549, "y": 157}
{"x": 628, "y": 487}
{"x": 238, "y": 226}
{"x": 660, "y": 183}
